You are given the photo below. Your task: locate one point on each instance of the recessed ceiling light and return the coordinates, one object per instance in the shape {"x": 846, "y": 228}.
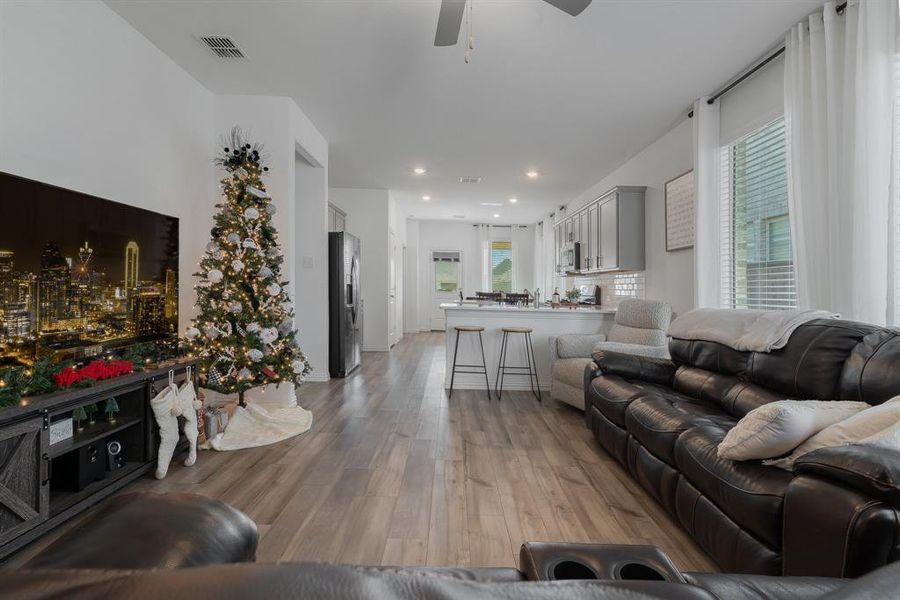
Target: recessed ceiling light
{"x": 426, "y": 198}
{"x": 496, "y": 216}
{"x": 513, "y": 200}
{"x": 531, "y": 174}
{"x": 492, "y": 204}
{"x": 419, "y": 170}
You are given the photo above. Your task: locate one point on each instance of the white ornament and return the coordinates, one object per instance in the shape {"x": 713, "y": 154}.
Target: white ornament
{"x": 244, "y": 373}
{"x": 214, "y": 275}
{"x": 255, "y": 355}
{"x": 192, "y": 333}
{"x": 285, "y": 327}
{"x": 236, "y": 307}
{"x": 226, "y": 327}
{"x": 241, "y": 173}
{"x": 265, "y": 272}
{"x": 253, "y": 327}
{"x": 268, "y": 335}
{"x": 233, "y": 238}
{"x": 212, "y": 247}
{"x": 270, "y": 208}
{"x": 248, "y": 243}
{"x": 274, "y": 289}
{"x": 212, "y": 332}
{"x": 256, "y": 192}
{"x": 297, "y": 367}
{"x": 237, "y": 266}
{"x": 251, "y": 213}
{"x": 220, "y": 254}
{"x": 275, "y": 252}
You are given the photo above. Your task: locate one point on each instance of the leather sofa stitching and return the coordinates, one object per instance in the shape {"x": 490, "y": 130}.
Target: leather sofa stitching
{"x": 862, "y": 371}
{"x": 731, "y": 485}
{"x": 850, "y": 526}
{"x": 797, "y": 368}
{"x": 830, "y": 467}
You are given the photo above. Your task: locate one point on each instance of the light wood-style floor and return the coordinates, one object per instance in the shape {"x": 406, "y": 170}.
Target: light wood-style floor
{"x": 394, "y": 472}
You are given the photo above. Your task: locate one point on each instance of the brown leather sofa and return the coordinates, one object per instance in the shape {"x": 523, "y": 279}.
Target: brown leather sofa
{"x": 113, "y": 555}
{"x": 836, "y": 515}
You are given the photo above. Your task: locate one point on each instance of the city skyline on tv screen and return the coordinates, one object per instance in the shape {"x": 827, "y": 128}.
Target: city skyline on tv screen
{"x": 80, "y": 275}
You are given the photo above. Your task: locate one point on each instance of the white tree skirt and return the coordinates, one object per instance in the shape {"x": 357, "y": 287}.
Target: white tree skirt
{"x": 271, "y": 415}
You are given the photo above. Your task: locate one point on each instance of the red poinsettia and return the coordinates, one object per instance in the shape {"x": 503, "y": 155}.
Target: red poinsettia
{"x": 96, "y": 370}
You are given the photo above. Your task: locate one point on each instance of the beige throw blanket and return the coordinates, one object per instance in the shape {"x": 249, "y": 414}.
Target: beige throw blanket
{"x": 744, "y": 330}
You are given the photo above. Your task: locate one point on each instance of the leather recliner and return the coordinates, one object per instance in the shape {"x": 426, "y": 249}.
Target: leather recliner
{"x": 836, "y": 515}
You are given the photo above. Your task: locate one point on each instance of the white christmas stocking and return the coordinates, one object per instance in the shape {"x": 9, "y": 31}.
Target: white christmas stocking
{"x": 168, "y": 427}
{"x": 187, "y": 400}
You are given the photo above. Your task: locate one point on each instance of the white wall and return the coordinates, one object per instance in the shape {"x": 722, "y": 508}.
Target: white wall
{"x": 425, "y": 236}
{"x": 368, "y": 218}
{"x": 88, "y": 104}
{"x": 669, "y": 275}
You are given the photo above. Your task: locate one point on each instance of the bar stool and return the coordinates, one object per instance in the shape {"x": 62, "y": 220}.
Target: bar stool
{"x": 530, "y": 370}
{"x": 481, "y": 369}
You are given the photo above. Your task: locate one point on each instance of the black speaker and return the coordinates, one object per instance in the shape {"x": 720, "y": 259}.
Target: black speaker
{"x": 76, "y": 470}
{"x": 115, "y": 459}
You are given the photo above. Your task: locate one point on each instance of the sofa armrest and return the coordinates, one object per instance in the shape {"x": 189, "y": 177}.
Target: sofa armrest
{"x": 574, "y": 345}
{"x": 867, "y": 469}
{"x": 632, "y": 366}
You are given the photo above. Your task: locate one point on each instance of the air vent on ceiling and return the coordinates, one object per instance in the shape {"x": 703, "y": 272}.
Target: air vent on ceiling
{"x": 459, "y": 216}
{"x": 469, "y": 179}
{"x": 222, "y": 47}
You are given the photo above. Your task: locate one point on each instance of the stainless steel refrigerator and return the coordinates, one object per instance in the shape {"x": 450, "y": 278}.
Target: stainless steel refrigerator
{"x": 344, "y": 309}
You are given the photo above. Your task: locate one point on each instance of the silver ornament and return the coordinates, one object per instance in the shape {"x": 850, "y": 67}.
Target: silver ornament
{"x": 214, "y": 275}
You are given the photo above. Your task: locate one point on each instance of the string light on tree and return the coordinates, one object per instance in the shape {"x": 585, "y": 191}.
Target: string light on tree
{"x": 244, "y": 334}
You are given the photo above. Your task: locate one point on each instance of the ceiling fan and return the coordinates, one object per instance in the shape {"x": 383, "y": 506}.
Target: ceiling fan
{"x": 450, "y": 17}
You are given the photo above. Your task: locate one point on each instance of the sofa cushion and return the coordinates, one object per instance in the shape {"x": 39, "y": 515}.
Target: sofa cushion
{"x": 870, "y": 373}
{"x": 657, "y": 421}
{"x": 777, "y": 428}
{"x": 612, "y": 395}
{"x": 751, "y": 494}
{"x": 861, "y": 425}
{"x": 577, "y": 345}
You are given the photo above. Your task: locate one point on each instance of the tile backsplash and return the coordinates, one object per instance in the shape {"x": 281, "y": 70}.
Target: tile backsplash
{"x": 613, "y": 286}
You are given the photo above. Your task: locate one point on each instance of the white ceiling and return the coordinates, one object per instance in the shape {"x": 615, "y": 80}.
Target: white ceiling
{"x": 572, "y": 98}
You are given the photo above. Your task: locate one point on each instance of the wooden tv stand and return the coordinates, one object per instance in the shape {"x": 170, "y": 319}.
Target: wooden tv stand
{"x": 36, "y": 488}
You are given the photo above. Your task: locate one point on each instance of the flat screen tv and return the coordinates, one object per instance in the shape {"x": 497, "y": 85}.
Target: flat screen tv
{"x": 80, "y": 276}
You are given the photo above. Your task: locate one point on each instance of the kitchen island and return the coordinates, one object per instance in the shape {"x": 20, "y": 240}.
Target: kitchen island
{"x": 545, "y": 322}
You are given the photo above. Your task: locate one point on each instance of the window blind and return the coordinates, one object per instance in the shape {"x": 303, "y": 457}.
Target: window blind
{"x": 501, "y": 266}
{"x": 757, "y": 269}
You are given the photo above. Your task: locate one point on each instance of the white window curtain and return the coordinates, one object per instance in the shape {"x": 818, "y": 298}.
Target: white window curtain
{"x": 484, "y": 257}
{"x": 840, "y": 82}
{"x": 522, "y": 257}
{"x": 707, "y": 191}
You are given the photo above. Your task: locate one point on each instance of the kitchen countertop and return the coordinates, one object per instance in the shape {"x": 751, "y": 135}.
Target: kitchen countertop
{"x": 563, "y": 311}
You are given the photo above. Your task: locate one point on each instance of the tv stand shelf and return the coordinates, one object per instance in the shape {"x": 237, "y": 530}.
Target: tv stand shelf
{"x": 95, "y": 433}
{"x": 53, "y": 483}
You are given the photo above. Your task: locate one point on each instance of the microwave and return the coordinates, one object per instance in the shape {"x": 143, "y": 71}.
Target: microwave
{"x": 570, "y": 257}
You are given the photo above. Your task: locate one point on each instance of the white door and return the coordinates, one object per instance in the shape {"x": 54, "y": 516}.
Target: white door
{"x": 445, "y": 282}
{"x": 392, "y": 293}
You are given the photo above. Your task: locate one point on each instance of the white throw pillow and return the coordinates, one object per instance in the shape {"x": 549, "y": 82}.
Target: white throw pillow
{"x": 862, "y": 425}
{"x": 776, "y": 428}
{"x": 886, "y": 438}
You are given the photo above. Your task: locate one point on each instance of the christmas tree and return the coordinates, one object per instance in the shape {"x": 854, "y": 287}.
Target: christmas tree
{"x": 244, "y": 334}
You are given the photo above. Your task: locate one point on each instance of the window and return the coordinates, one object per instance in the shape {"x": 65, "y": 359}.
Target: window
{"x": 446, "y": 271}
{"x": 501, "y": 266}
{"x": 757, "y": 262}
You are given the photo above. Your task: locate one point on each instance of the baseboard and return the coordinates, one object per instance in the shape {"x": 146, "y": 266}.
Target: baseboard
{"x": 375, "y": 349}
{"x": 512, "y": 387}
{"x": 318, "y": 377}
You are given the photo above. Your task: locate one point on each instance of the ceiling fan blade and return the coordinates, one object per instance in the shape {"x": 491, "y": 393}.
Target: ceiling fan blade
{"x": 449, "y": 22}
{"x": 573, "y": 7}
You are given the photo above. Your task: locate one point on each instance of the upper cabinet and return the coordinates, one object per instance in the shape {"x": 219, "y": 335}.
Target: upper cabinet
{"x": 609, "y": 232}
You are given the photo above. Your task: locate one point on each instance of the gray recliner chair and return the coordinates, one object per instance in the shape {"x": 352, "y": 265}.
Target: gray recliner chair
{"x": 640, "y": 328}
